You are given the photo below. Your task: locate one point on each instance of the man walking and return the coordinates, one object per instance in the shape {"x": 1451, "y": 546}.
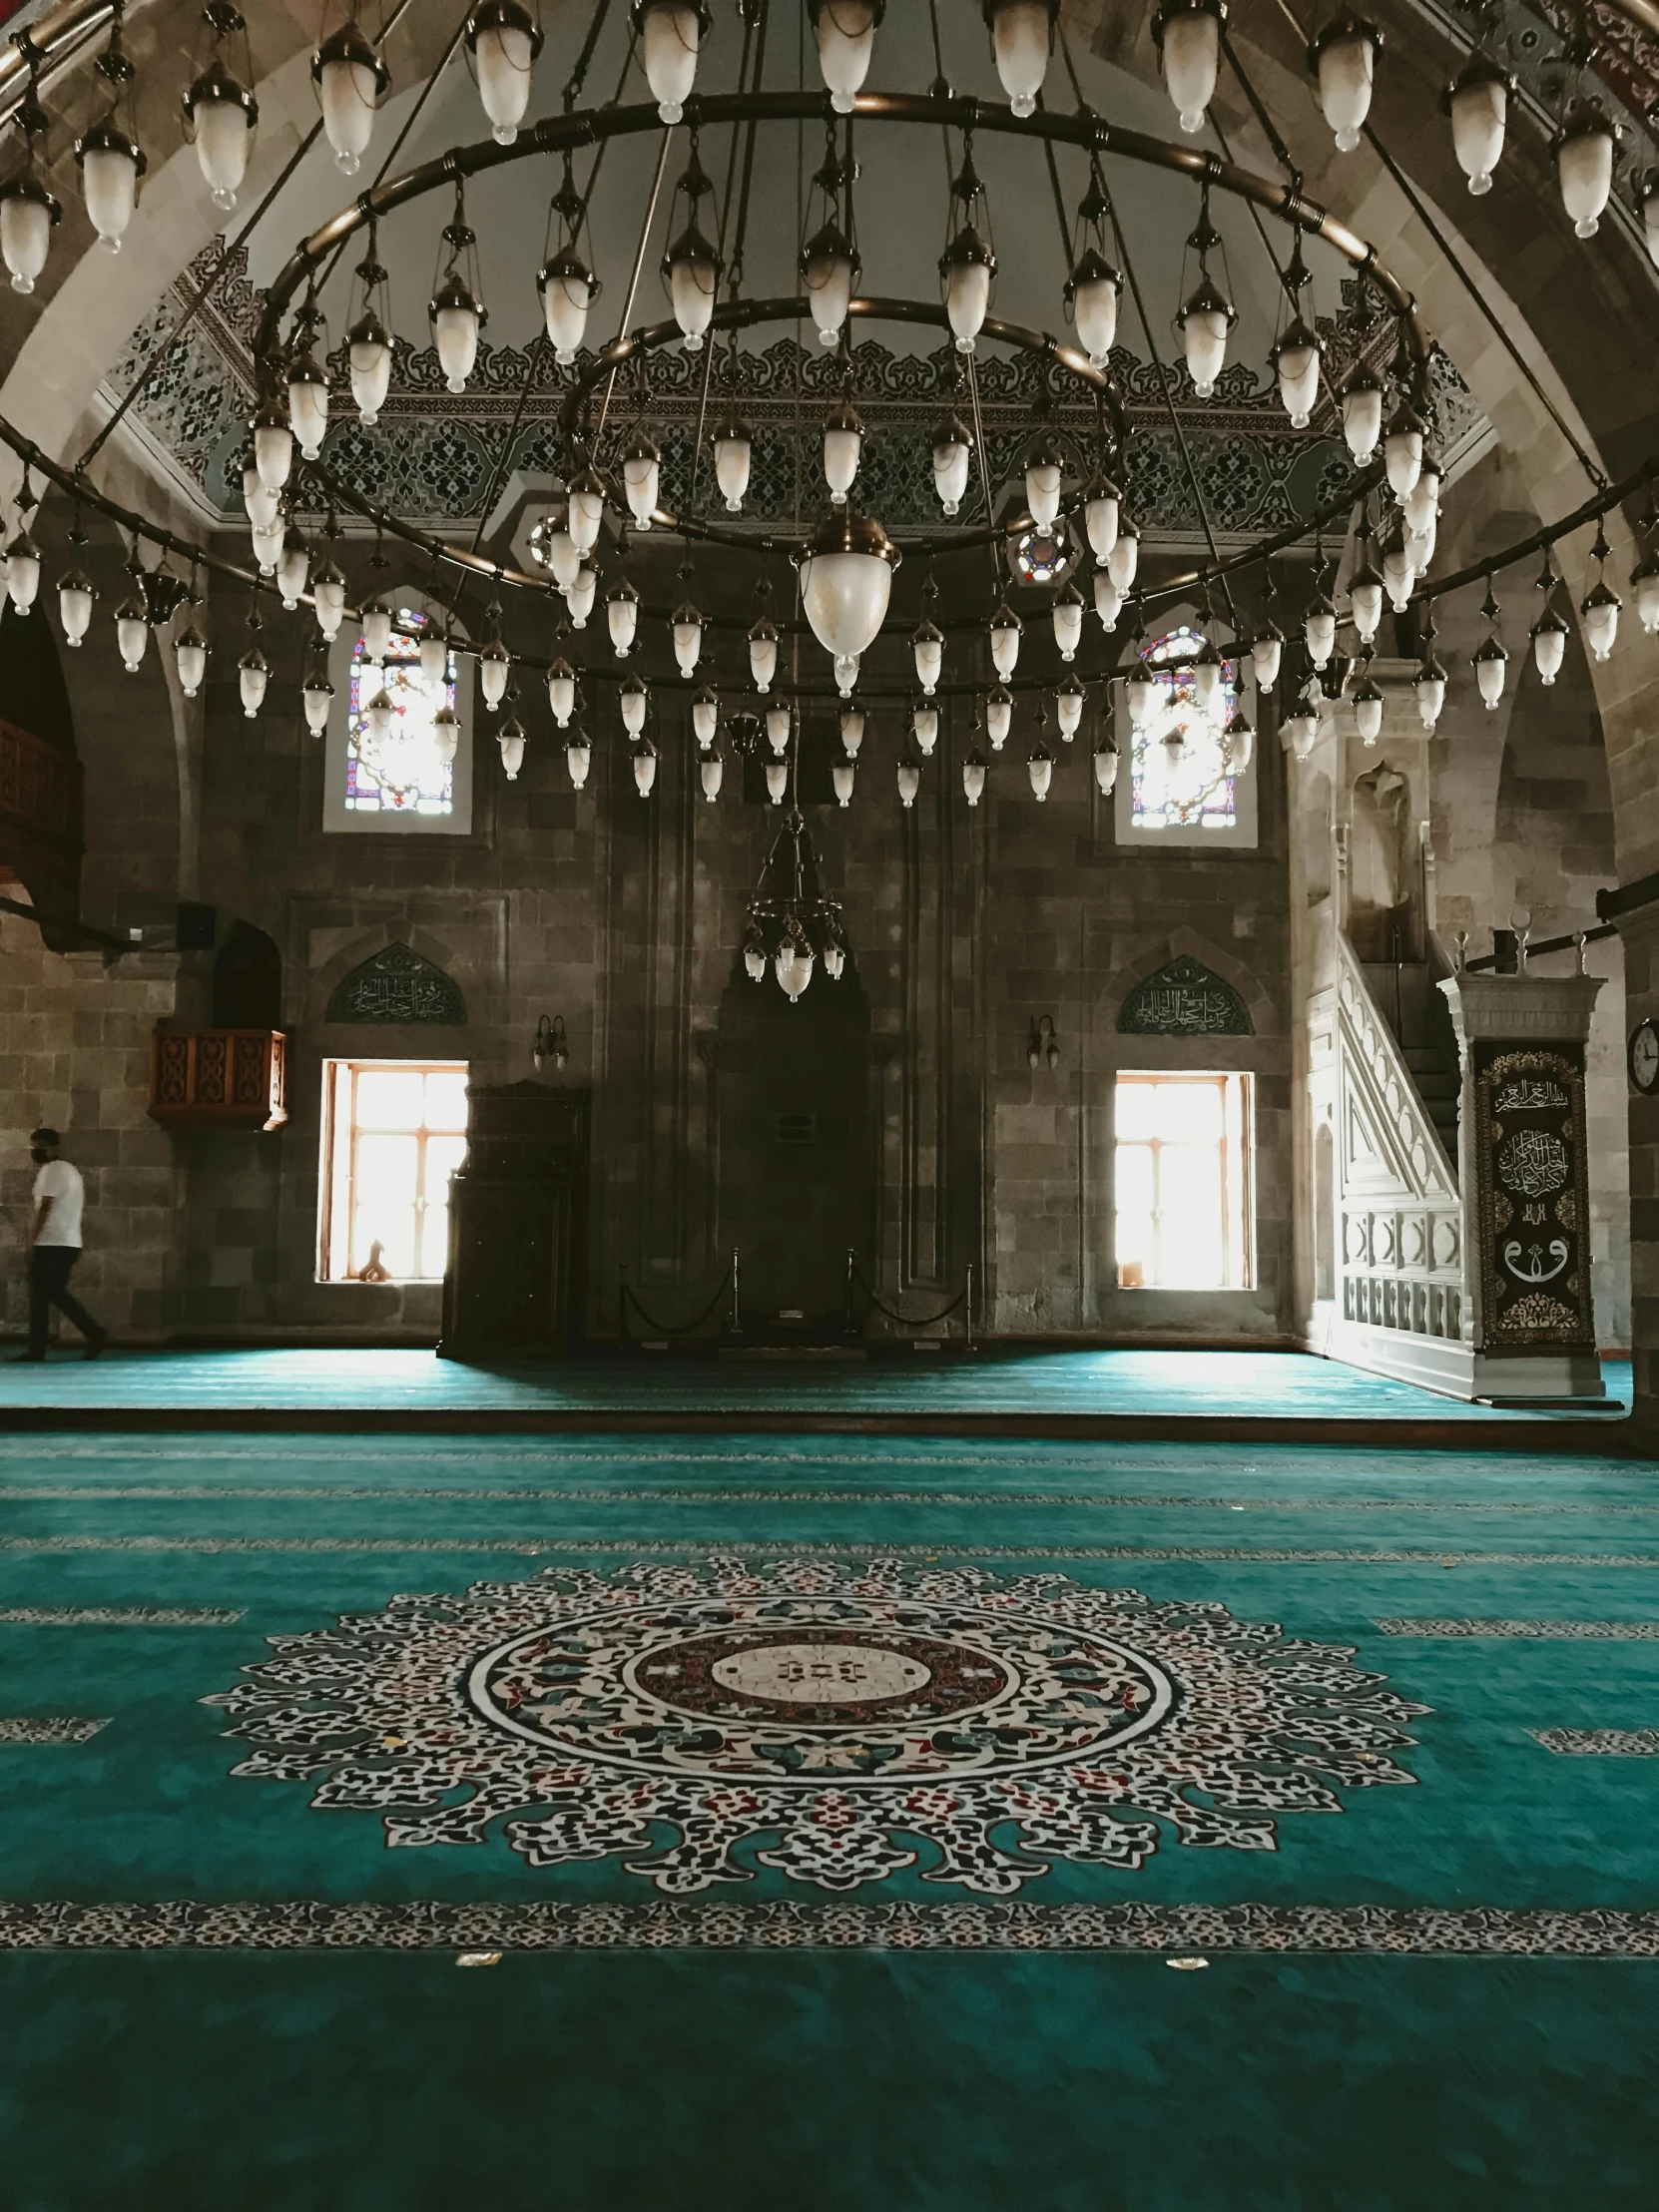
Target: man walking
{"x": 55, "y": 1246}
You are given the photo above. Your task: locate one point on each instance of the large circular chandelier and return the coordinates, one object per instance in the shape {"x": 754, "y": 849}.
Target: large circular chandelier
{"x": 1056, "y": 519}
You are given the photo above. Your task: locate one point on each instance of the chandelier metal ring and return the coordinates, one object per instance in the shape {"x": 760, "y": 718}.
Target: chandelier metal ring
{"x": 63, "y": 35}
{"x": 588, "y": 127}
{"x": 205, "y": 559}
{"x": 741, "y": 314}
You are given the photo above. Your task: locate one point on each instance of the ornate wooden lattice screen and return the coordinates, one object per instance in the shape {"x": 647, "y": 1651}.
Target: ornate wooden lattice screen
{"x": 219, "y": 1078}
{"x": 1184, "y": 999}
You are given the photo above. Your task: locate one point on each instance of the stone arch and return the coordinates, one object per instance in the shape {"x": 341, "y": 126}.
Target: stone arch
{"x": 63, "y": 339}
{"x": 248, "y": 981}
{"x": 1324, "y": 1211}
{"x": 1384, "y": 893}
{"x": 42, "y": 810}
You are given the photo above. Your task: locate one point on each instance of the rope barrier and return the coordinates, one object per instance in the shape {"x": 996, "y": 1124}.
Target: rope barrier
{"x": 626, "y": 1298}
{"x": 962, "y": 1300}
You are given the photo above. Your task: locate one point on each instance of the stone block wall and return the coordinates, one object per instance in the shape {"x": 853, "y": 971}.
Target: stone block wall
{"x": 624, "y": 916}
{"x": 75, "y": 1054}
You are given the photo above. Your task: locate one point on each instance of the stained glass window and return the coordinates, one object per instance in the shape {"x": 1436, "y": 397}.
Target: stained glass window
{"x": 1041, "y": 555}
{"x": 405, "y": 772}
{"x": 1179, "y": 773}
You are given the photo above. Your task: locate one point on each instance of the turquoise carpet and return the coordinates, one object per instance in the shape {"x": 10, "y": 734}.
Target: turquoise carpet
{"x": 1139, "y": 1382}
{"x": 1420, "y": 1882}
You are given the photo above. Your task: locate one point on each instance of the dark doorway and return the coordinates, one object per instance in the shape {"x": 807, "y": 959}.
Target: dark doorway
{"x": 797, "y": 1170}
{"x": 248, "y": 982}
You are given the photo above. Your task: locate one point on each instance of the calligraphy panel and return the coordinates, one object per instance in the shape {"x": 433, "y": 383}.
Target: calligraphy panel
{"x": 398, "y": 985}
{"x": 1184, "y": 999}
{"x": 1535, "y": 1196}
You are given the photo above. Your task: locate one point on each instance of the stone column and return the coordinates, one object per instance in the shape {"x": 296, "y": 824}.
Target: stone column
{"x": 1528, "y": 1320}
{"x": 1639, "y": 931}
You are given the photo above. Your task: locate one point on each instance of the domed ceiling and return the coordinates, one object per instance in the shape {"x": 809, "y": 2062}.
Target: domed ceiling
{"x": 443, "y": 460}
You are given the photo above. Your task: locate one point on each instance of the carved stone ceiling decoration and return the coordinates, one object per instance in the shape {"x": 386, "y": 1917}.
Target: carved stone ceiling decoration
{"x": 434, "y": 459}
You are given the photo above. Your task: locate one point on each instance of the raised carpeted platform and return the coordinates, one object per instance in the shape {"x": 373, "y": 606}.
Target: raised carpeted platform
{"x": 1126, "y": 1394}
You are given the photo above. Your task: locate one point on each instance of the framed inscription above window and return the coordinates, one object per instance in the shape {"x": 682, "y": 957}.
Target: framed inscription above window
{"x": 398, "y": 985}
{"x": 1184, "y": 999}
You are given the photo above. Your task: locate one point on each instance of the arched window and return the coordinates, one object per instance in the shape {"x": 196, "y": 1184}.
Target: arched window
{"x": 408, "y": 779}
{"x": 407, "y": 769}
{"x": 1181, "y": 774}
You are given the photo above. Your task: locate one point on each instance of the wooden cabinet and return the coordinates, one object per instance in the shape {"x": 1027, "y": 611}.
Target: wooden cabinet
{"x": 219, "y": 1078}
{"x": 517, "y": 1224}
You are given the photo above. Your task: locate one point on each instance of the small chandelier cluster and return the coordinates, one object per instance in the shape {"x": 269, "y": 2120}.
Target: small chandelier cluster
{"x": 794, "y": 924}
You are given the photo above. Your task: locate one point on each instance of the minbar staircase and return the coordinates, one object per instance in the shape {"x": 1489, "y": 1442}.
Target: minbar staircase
{"x": 1404, "y": 993}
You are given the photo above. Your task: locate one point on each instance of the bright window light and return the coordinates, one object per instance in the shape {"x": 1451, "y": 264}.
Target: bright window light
{"x": 393, "y": 1132}
{"x": 1182, "y": 1183}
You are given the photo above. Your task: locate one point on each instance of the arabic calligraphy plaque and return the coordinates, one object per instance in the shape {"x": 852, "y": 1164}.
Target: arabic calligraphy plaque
{"x": 1534, "y": 1198}
{"x": 398, "y": 985}
{"x": 1184, "y": 999}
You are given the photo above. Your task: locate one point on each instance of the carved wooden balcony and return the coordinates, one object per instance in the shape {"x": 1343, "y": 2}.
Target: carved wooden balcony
{"x": 219, "y": 1078}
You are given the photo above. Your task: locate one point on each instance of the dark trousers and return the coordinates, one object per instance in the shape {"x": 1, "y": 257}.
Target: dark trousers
{"x": 49, "y": 1268}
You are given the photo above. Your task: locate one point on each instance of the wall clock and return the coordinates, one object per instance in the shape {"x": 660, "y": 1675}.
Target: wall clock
{"x": 1642, "y": 1054}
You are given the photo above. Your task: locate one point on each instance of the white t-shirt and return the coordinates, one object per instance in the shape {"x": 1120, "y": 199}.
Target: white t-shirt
{"x": 62, "y": 1184}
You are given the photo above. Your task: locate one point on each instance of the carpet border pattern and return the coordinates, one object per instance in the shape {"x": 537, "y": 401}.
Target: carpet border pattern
{"x": 554, "y": 1492}
{"x": 535, "y": 1547}
{"x": 1599, "y": 1742}
{"x": 1623, "y": 1632}
{"x": 49, "y": 1729}
{"x": 119, "y": 1616}
{"x": 315, "y": 1925}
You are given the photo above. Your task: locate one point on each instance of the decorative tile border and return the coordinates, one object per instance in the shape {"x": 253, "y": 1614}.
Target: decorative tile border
{"x": 1632, "y": 1633}
{"x": 1398, "y": 1930}
{"x": 534, "y": 1547}
{"x": 1599, "y": 1742}
{"x": 554, "y": 1452}
{"x": 119, "y": 1616}
{"x": 49, "y": 1731}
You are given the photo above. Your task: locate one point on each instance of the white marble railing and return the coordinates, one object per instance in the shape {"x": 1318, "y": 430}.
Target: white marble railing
{"x": 1400, "y": 1243}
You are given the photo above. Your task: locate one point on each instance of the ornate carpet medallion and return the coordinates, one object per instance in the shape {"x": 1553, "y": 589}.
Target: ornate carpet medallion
{"x": 832, "y": 1721}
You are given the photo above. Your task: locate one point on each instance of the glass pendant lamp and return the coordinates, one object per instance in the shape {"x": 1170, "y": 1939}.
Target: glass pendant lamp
{"x": 504, "y": 40}
{"x": 350, "y": 81}
{"x": 846, "y": 34}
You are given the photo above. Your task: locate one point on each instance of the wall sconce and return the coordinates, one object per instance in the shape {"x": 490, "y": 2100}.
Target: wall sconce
{"x": 1043, "y": 1043}
{"x": 551, "y": 1043}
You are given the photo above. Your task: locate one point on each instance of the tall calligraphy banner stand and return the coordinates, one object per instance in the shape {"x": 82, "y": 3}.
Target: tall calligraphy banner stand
{"x": 1528, "y": 1323}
